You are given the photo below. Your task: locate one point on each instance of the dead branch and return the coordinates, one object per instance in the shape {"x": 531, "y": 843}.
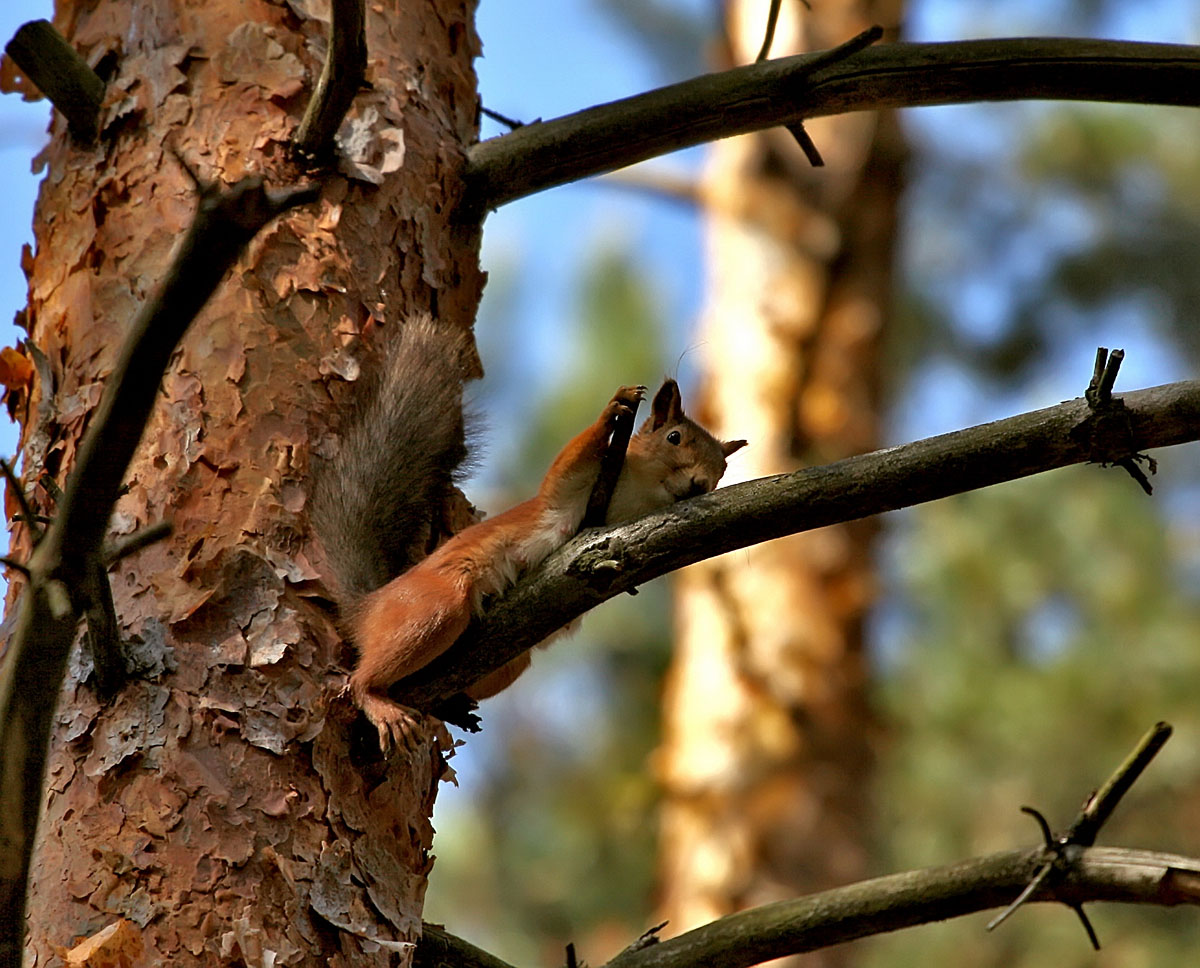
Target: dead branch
{"x": 46, "y": 58}
{"x": 341, "y": 77}
{"x": 64, "y": 560}
{"x": 786, "y": 91}
{"x": 919, "y": 897}
{"x": 600, "y": 564}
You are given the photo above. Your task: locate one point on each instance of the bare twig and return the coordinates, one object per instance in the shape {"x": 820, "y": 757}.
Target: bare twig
{"x": 778, "y": 92}
{"x": 772, "y": 22}
{"x": 103, "y": 636}
{"x": 14, "y": 565}
{"x": 28, "y": 515}
{"x": 1058, "y": 851}
{"x": 61, "y": 74}
{"x": 806, "y": 143}
{"x": 647, "y": 938}
{"x": 1111, "y": 418}
{"x": 511, "y": 123}
{"x": 1101, "y": 804}
{"x": 581, "y": 575}
{"x": 135, "y": 542}
{"x": 103, "y": 633}
{"x": 1104, "y": 377}
{"x": 1097, "y": 373}
{"x": 769, "y": 34}
{"x": 341, "y": 78}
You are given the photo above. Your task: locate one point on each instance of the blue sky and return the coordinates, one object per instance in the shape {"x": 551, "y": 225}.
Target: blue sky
{"x": 532, "y": 70}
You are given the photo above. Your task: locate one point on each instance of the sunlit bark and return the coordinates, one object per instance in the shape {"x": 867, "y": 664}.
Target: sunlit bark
{"x": 767, "y": 752}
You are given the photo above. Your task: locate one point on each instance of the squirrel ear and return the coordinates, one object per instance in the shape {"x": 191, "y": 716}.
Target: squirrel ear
{"x": 729, "y": 446}
{"x": 668, "y": 405}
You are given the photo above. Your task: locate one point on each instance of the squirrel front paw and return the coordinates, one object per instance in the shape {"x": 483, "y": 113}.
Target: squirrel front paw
{"x": 624, "y": 403}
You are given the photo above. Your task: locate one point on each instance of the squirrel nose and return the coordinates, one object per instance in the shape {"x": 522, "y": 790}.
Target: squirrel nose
{"x": 698, "y": 486}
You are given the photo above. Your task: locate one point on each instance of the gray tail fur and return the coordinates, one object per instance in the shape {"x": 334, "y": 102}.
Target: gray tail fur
{"x": 377, "y": 504}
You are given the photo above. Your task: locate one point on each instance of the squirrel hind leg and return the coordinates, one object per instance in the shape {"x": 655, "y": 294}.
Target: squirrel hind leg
{"x": 500, "y": 679}
{"x": 401, "y": 628}
{"x": 508, "y": 673}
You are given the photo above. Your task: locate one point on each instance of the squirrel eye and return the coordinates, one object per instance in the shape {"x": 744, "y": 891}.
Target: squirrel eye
{"x": 673, "y": 437}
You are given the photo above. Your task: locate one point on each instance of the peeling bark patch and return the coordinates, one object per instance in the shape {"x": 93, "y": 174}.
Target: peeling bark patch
{"x": 134, "y": 726}
{"x": 254, "y": 55}
{"x": 369, "y": 148}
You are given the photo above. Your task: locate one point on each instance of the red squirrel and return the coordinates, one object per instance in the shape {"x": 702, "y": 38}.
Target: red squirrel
{"x": 377, "y": 508}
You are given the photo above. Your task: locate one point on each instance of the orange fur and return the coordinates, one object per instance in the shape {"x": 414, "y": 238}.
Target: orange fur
{"x": 408, "y": 622}
{"x": 414, "y": 618}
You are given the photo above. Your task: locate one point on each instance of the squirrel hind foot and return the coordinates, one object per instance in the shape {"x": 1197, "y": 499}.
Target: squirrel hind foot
{"x": 399, "y": 727}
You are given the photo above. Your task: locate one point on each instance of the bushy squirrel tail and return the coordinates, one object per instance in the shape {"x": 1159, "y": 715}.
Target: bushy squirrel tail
{"x": 377, "y": 506}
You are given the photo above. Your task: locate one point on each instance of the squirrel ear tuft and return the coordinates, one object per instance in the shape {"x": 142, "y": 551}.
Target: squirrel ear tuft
{"x": 668, "y": 405}
{"x": 729, "y": 446}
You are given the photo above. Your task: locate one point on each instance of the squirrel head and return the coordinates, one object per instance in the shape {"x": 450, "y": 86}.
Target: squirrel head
{"x": 691, "y": 460}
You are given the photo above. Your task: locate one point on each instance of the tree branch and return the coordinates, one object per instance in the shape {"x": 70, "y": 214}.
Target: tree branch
{"x": 46, "y": 58}
{"x": 599, "y": 139}
{"x": 918, "y": 897}
{"x": 438, "y": 948}
{"x": 600, "y": 564}
{"x": 341, "y": 77}
{"x": 62, "y": 563}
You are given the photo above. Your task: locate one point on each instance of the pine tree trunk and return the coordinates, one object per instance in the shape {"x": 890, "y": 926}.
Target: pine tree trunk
{"x": 218, "y": 804}
{"x": 767, "y": 753}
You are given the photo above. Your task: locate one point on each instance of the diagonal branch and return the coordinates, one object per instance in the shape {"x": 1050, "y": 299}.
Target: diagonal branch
{"x": 599, "y": 139}
{"x": 598, "y": 565}
{"x": 61, "y": 565}
{"x": 885, "y": 904}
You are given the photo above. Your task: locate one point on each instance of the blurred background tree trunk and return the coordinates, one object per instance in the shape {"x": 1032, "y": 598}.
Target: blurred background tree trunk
{"x": 212, "y": 804}
{"x": 767, "y": 752}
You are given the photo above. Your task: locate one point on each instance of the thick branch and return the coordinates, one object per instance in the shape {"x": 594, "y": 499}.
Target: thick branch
{"x": 438, "y": 948}
{"x": 61, "y": 74}
{"x": 597, "y": 565}
{"x": 48, "y": 612}
{"x": 786, "y": 91}
{"x": 341, "y": 77}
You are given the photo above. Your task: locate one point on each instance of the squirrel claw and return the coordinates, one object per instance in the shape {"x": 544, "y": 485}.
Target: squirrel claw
{"x": 624, "y": 402}
{"x": 399, "y": 727}
{"x": 630, "y": 396}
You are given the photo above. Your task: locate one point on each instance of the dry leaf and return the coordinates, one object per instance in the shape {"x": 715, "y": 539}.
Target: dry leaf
{"x": 117, "y": 946}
